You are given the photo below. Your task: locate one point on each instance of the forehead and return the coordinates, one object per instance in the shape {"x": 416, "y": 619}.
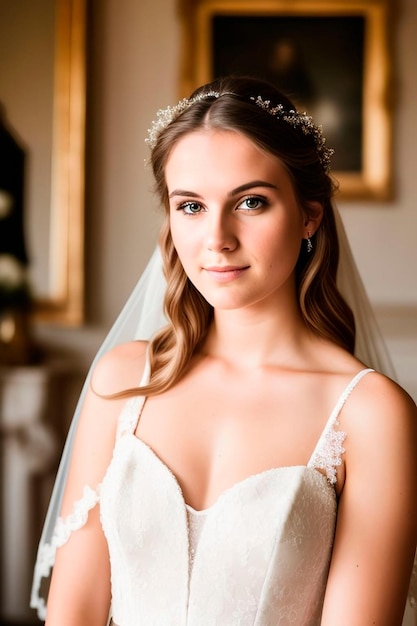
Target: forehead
{"x": 221, "y": 154}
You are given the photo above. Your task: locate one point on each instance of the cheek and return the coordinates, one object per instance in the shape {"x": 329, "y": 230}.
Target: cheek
{"x": 281, "y": 240}
{"x": 176, "y": 233}
{"x": 178, "y": 239}
{"x": 183, "y": 244}
{"x": 281, "y": 249}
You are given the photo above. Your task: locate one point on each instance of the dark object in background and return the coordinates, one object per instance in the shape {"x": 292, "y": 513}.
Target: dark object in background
{"x": 12, "y": 183}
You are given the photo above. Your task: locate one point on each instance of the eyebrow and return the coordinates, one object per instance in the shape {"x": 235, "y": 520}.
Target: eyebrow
{"x": 234, "y": 192}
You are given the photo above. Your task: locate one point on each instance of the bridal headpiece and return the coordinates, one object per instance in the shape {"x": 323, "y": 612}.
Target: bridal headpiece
{"x": 296, "y": 119}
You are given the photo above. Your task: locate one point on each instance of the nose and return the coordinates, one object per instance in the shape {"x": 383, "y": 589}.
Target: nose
{"x": 221, "y": 233}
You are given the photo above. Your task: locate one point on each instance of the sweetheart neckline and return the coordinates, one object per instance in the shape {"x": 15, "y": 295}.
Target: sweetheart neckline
{"x": 228, "y": 490}
{"x": 330, "y": 424}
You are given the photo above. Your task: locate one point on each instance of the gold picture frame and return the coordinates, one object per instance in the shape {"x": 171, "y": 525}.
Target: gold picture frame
{"x": 43, "y": 104}
{"x": 65, "y": 301}
{"x": 232, "y": 36}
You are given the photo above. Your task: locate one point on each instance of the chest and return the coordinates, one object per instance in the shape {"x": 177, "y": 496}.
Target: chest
{"x": 212, "y": 407}
{"x": 214, "y": 433}
{"x": 272, "y": 531}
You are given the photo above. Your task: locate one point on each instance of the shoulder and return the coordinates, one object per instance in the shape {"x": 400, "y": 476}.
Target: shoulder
{"x": 120, "y": 368}
{"x": 380, "y": 419}
{"x": 375, "y": 402}
{"x": 378, "y": 400}
{"x": 116, "y": 371}
{"x": 96, "y": 426}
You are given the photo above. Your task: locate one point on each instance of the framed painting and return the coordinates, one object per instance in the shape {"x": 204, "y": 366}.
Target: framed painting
{"x": 332, "y": 57}
{"x": 43, "y": 93}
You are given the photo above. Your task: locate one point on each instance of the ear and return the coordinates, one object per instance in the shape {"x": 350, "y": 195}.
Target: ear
{"x": 313, "y": 214}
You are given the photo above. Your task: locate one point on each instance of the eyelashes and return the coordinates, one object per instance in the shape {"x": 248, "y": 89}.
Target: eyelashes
{"x": 253, "y": 203}
{"x": 190, "y": 207}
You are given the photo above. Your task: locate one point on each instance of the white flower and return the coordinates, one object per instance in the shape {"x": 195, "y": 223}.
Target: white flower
{"x": 12, "y": 272}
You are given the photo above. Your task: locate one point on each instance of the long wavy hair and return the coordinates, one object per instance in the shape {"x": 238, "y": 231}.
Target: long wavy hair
{"x": 189, "y": 315}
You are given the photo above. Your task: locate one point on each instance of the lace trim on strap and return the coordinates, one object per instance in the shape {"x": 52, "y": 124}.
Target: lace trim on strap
{"x": 329, "y": 457}
{"x": 328, "y": 453}
{"x": 130, "y": 414}
{"x": 63, "y": 529}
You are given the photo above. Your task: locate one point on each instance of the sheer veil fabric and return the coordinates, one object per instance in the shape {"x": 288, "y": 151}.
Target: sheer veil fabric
{"x": 140, "y": 318}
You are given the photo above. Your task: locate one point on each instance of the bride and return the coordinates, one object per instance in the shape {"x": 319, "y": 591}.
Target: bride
{"x": 246, "y": 464}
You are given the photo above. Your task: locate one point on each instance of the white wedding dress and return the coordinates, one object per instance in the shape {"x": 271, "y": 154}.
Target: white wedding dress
{"x": 258, "y": 556}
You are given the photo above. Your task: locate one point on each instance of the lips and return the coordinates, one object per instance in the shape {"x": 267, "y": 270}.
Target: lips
{"x": 226, "y": 273}
{"x": 225, "y": 268}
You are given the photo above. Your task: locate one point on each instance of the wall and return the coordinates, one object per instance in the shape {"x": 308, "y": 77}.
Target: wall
{"x": 134, "y": 53}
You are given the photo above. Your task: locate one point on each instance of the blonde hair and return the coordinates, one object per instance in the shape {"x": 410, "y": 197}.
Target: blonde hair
{"x": 189, "y": 315}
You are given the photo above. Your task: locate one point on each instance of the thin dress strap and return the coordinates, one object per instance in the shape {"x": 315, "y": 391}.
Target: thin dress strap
{"x": 130, "y": 414}
{"x": 328, "y": 452}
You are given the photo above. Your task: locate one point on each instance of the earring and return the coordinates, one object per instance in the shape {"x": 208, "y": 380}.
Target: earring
{"x": 309, "y": 243}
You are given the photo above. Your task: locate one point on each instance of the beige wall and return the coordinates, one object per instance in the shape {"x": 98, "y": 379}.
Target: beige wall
{"x": 134, "y": 69}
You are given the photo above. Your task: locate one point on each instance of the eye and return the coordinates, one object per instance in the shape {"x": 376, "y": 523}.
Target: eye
{"x": 190, "y": 208}
{"x": 251, "y": 203}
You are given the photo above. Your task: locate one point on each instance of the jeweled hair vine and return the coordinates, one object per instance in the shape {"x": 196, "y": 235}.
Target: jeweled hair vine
{"x": 294, "y": 118}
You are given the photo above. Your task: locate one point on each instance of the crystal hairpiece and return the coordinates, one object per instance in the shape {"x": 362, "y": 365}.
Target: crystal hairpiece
{"x": 164, "y": 117}
{"x": 297, "y": 120}
{"x": 302, "y": 121}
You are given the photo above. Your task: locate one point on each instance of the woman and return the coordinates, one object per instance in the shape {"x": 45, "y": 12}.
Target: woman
{"x": 261, "y": 473}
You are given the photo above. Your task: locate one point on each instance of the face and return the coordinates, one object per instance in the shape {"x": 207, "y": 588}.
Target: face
{"x": 235, "y": 221}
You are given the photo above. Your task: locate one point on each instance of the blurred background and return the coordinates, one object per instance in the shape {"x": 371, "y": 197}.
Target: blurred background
{"x": 133, "y": 51}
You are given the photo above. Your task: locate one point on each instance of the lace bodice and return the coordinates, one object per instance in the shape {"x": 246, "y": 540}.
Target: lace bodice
{"x": 259, "y": 556}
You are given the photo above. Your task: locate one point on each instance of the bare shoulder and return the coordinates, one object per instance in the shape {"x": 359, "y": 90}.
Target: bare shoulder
{"x": 380, "y": 418}
{"x": 381, "y": 399}
{"x": 120, "y": 368}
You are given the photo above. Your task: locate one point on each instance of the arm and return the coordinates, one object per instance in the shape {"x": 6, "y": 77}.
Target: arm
{"x": 377, "y": 516}
{"x": 80, "y": 586}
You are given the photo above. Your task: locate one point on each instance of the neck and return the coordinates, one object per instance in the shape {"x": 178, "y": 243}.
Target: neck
{"x": 252, "y": 338}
